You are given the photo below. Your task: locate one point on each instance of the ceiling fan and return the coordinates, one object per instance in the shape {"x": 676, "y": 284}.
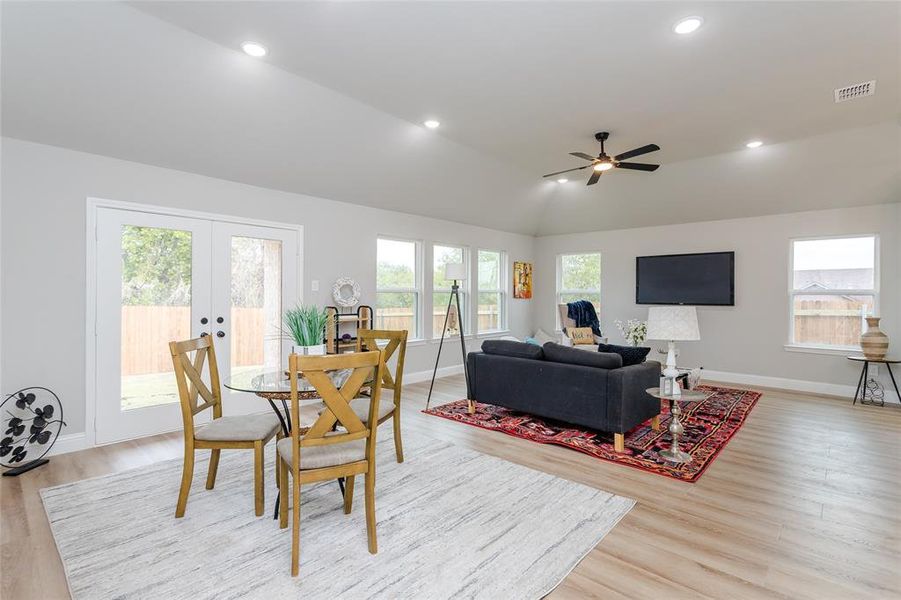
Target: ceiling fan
{"x": 602, "y": 162}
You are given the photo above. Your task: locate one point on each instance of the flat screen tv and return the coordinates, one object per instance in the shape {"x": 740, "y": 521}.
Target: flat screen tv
{"x": 706, "y": 279}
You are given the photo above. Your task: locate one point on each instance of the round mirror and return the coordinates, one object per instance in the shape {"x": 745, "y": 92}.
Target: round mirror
{"x": 346, "y": 292}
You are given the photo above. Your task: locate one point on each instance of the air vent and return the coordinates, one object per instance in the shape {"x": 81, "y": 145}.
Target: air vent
{"x": 852, "y": 92}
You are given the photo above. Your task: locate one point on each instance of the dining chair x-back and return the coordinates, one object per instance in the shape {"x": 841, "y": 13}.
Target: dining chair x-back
{"x": 244, "y": 432}
{"x": 367, "y": 339}
{"x": 339, "y": 443}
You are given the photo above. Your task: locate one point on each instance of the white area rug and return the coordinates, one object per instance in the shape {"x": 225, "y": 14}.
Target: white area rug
{"x": 452, "y": 523}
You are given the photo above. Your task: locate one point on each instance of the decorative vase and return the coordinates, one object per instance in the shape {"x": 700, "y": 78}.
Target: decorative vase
{"x": 318, "y": 349}
{"x": 873, "y": 342}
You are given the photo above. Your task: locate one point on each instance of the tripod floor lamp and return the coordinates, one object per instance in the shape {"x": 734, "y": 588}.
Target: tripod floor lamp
{"x": 455, "y": 272}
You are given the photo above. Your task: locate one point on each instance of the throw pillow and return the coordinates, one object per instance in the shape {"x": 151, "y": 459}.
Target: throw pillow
{"x": 632, "y": 355}
{"x": 573, "y": 356}
{"x": 533, "y": 341}
{"x": 514, "y": 349}
{"x": 580, "y": 335}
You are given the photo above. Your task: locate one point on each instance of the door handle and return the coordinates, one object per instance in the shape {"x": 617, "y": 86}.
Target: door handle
{"x": 204, "y": 321}
{"x": 220, "y": 333}
{"x": 204, "y": 334}
{"x": 219, "y": 319}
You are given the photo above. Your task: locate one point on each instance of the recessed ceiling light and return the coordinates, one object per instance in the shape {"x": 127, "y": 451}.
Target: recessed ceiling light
{"x": 562, "y": 180}
{"x": 432, "y": 124}
{"x": 254, "y": 49}
{"x": 688, "y": 25}
{"x": 754, "y": 144}
{"x": 603, "y": 166}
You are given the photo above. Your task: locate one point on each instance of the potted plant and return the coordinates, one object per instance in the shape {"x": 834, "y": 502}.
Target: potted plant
{"x": 305, "y": 325}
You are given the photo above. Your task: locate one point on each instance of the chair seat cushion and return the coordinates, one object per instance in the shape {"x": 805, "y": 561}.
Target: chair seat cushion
{"x": 241, "y": 428}
{"x": 318, "y": 457}
{"x": 360, "y": 406}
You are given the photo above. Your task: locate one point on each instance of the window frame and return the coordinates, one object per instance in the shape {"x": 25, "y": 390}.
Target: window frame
{"x": 417, "y": 290}
{"x": 465, "y": 319}
{"x": 559, "y": 286}
{"x": 502, "y": 281}
{"x": 795, "y": 346}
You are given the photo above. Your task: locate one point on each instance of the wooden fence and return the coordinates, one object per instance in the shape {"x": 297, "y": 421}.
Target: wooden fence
{"x": 147, "y": 331}
{"x": 836, "y": 321}
{"x": 400, "y": 318}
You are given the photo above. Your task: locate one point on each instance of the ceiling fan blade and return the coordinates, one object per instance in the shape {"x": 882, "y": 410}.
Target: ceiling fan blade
{"x": 566, "y": 171}
{"x": 583, "y": 155}
{"x": 637, "y": 166}
{"x": 637, "y": 152}
{"x": 595, "y": 175}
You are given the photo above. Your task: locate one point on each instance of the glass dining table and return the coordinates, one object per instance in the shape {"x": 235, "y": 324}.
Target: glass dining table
{"x": 275, "y": 387}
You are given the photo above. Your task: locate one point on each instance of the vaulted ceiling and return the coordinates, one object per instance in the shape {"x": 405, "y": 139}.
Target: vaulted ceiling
{"x": 334, "y": 110}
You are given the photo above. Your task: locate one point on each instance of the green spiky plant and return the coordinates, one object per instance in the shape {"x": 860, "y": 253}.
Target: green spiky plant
{"x": 305, "y": 325}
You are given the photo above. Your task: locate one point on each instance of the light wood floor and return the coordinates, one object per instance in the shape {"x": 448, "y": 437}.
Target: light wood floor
{"x": 803, "y": 503}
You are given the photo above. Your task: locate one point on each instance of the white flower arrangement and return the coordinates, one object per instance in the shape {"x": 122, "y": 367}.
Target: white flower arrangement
{"x": 633, "y": 330}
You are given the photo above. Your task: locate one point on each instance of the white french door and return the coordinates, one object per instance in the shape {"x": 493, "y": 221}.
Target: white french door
{"x": 162, "y": 278}
{"x": 254, "y": 280}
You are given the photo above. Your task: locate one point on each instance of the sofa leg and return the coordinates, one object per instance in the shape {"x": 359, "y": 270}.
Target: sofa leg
{"x": 655, "y": 423}
{"x": 619, "y": 442}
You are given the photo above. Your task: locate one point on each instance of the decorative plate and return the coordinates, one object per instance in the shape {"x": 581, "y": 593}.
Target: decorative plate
{"x": 31, "y": 419}
{"x": 346, "y": 292}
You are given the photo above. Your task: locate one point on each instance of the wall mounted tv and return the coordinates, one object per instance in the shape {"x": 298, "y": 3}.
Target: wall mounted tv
{"x": 706, "y": 279}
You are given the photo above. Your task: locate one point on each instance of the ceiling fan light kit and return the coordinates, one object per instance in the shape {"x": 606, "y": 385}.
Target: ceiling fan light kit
{"x": 602, "y": 162}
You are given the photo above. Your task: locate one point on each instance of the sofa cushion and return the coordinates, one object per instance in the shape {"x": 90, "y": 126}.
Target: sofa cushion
{"x": 514, "y": 349}
{"x": 572, "y": 356}
{"x": 632, "y": 355}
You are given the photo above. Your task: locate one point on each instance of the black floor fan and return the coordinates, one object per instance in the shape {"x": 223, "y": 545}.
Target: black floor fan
{"x": 31, "y": 419}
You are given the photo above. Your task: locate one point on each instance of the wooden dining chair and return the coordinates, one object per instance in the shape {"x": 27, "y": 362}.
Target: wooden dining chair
{"x": 244, "y": 432}
{"x": 367, "y": 339}
{"x": 324, "y": 452}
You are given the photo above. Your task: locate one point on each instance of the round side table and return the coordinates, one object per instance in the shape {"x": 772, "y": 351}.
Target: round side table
{"x": 861, "y": 391}
{"x": 674, "y": 454}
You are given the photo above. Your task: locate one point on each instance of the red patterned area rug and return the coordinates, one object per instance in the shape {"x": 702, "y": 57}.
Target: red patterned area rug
{"x": 709, "y": 425}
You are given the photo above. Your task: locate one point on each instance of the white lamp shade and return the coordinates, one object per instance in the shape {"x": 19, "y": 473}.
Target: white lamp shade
{"x": 673, "y": 323}
{"x": 455, "y": 271}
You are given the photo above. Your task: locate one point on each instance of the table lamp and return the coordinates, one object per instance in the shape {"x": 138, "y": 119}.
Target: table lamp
{"x": 672, "y": 324}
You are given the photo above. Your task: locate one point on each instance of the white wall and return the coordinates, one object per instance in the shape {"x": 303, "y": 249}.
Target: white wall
{"x": 747, "y": 338}
{"x": 44, "y": 191}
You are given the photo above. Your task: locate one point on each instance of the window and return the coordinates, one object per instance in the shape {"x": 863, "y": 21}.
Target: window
{"x": 492, "y": 301}
{"x": 441, "y": 256}
{"x": 398, "y": 284}
{"x": 579, "y": 278}
{"x": 833, "y": 287}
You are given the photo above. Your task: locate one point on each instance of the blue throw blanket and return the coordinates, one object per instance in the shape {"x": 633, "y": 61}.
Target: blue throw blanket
{"x": 582, "y": 312}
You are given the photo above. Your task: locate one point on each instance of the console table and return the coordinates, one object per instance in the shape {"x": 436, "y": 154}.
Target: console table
{"x": 861, "y": 391}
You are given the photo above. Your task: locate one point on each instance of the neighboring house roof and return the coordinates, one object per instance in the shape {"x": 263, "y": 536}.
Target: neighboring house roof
{"x": 834, "y": 279}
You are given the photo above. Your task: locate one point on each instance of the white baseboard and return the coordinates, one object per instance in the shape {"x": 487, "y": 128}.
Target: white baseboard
{"x": 77, "y": 441}
{"x": 420, "y": 376}
{"x": 794, "y": 385}
{"x": 68, "y": 443}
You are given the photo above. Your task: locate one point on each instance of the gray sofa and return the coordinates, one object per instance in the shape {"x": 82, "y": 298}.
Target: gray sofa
{"x": 588, "y": 389}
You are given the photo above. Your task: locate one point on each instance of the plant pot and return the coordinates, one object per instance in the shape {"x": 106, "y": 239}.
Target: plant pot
{"x": 316, "y": 350}
{"x": 873, "y": 342}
